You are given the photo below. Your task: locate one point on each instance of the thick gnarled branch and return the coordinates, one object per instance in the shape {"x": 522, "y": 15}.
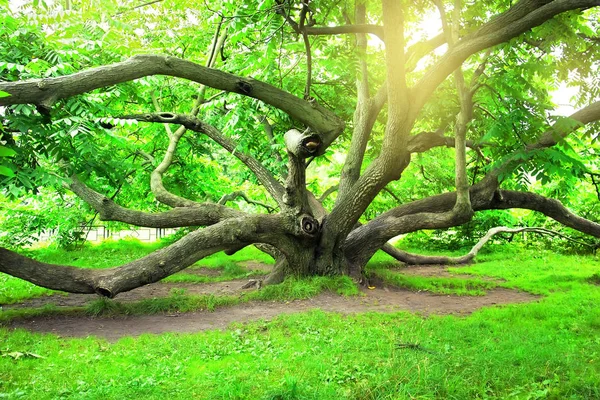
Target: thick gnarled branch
{"x": 151, "y": 268}
{"x": 46, "y": 92}
{"x": 200, "y": 214}
{"x": 410, "y": 217}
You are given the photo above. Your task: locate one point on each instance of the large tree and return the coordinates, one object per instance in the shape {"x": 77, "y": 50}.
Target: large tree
{"x": 480, "y": 87}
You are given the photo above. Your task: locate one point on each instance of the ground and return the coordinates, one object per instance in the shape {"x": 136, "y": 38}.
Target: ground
{"x": 381, "y": 297}
{"x": 420, "y": 341}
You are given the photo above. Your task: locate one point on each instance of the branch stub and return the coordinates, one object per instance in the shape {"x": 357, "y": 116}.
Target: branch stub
{"x": 301, "y": 144}
{"x": 309, "y": 225}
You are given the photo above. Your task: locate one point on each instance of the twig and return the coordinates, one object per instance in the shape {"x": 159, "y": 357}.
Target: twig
{"x": 234, "y": 195}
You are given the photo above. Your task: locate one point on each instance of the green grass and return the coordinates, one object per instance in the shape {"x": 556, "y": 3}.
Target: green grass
{"x": 439, "y": 285}
{"x": 549, "y": 349}
{"x": 178, "y": 301}
{"x": 228, "y": 270}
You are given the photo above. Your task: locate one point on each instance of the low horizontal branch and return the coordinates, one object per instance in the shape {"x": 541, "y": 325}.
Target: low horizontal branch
{"x": 231, "y": 233}
{"x": 201, "y": 214}
{"x": 418, "y": 259}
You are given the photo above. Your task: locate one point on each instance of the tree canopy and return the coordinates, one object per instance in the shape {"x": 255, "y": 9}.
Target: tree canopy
{"x": 317, "y": 130}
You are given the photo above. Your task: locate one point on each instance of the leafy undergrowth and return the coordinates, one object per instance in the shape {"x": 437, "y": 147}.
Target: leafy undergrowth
{"x": 549, "y": 349}
{"x": 439, "y": 285}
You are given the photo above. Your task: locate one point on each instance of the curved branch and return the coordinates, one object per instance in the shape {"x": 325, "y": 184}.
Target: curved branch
{"x": 201, "y": 214}
{"x": 46, "y": 92}
{"x": 424, "y": 141}
{"x": 156, "y": 177}
{"x": 421, "y": 49}
{"x": 328, "y": 192}
{"x": 234, "y": 195}
{"x": 365, "y": 113}
{"x": 418, "y": 259}
{"x": 151, "y": 268}
{"x": 552, "y": 136}
{"x": 192, "y": 123}
{"x": 559, "y": 131}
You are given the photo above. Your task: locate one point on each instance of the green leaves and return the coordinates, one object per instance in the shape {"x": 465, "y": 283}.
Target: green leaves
{"x": 6, "y": 152}
{"x": 4, "y": 170}
{"x": 4, "y": 94}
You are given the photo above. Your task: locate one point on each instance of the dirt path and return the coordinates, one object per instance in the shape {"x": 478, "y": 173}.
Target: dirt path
{"x": 381, "y": 299}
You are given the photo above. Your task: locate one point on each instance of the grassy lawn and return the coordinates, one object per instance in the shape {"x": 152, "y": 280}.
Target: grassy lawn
{"x": 544, "y": 350}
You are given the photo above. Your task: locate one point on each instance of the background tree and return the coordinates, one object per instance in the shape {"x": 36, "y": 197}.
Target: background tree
{"x": 92, "y": 108}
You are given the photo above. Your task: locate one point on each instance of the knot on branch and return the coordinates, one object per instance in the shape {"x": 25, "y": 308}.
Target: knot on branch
{"x": 243, "y": 87}
{"x": 166, "y": 116}
{"x": 302, "y": 144}
{"x": 309, "y": 225}
{"x": 43, "y": 84}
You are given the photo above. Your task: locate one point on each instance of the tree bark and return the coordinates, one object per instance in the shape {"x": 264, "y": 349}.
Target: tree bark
{"x": 164, "y": 262}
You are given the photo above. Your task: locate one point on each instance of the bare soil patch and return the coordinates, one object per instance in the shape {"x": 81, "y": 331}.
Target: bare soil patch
{"x": 381, "y": 299}
{"x": 377, "y": 300}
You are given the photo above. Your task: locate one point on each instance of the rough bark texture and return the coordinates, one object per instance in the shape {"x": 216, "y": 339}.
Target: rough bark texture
{"x": 152, "y": 268}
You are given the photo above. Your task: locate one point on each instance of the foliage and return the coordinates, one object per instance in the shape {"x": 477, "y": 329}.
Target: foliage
{"x": 46, "y": 39}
